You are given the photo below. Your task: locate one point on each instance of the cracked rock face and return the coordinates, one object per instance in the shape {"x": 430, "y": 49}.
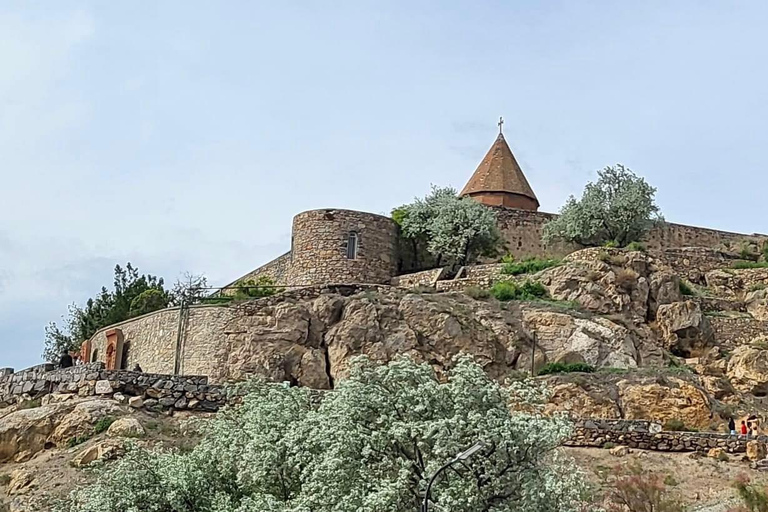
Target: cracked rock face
{"x": 686, "y": 331}
{"x": 631, "y": 397}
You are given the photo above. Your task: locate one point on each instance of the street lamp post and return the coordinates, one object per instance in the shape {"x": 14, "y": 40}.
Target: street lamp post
{"x": 463, "y": 456}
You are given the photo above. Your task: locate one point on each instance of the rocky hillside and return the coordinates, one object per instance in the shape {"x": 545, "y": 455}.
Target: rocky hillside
{"x": 684, "y": 344}
{"x": 659, "y": 353}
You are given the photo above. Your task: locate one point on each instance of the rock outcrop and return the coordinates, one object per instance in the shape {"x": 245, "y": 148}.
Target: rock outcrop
{"x": 686, "y": 332}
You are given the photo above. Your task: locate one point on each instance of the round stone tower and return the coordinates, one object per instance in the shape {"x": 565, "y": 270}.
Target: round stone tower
{"x": 342, "y": 246}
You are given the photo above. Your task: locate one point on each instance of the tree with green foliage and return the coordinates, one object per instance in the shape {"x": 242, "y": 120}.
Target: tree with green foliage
{"x": 369, "y": 446}
{"x": 107, "y": 308}
{"x": 453, "y": 231}
{"x": 619, "y": 209}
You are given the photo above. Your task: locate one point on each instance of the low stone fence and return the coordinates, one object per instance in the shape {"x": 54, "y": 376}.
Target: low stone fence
{"x": 645, "y": 435}
{"x": 163, "y": 391}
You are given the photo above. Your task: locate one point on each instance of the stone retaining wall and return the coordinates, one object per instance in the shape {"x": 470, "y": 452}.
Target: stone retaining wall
{"x": 206, "y": 333}
{"x": 163, "y": 391}
{"x": 423, "y": 278}
{"x": 738, "y": 330}
{"x": 643, "y": 435}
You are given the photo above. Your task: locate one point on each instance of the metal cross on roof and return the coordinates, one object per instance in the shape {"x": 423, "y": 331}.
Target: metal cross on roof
{"x": 501, "y": 122}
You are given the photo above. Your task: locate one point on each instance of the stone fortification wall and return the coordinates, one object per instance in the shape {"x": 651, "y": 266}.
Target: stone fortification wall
{"x": 207, "y": 333}
{"x": 162, "y": 391}
{"x": 668, "y": 236}
{"x": 321, "y": 252}
{"x": 522, "y": 230}
{"x": 152, "y": 340}
{"x": 276, "y": 270}
{"x": 423, "y": 278}
{"x": 645, "y": 435}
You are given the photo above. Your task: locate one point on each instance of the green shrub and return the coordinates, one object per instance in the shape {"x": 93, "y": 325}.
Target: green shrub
{"x": 676, "y": 425}
{"x": 686, "y": 289}
{"x": 742, "y": 264}
{"x": 74, "y": 441}
{"x": 245, "y": 289}
{"x": 5, "y": 479}
{"x": 747, "y": 253}
{"x": 477, "y": 293}
{"x": 30, "y": 404}
{"x": 553, "y": 368}
{"x": 103, "y": 424}
{"x": 637, "y": 246}
{"x": 504, "y": 290}
{"x": 609, "y": 445}
{"x": 508, "y": 258}
{"x": 507, "y": 290}
{"x": 528, "y": 266}
{"x": 757, "y": 287}
{"x": 611, "y": 244}
{"x": 670, "y": 481}
{"x": 753, "y": 496}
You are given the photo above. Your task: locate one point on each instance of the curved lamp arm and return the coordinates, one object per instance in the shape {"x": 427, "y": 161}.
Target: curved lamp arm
{"x": 459, "y": 458}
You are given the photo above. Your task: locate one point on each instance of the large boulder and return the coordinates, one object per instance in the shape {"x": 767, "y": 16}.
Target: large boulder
{"x": 126, "y": 427}
{"x": 280, "y": 343}
{"x": 724, "y": 282}
{"x": 105, "y": 450}
{"x": 666, "y": 399}
{"x": 568, "y": 339}
{"x": 748, "y": 370}
{"x": 756, "y": 450}
{"x": 24, "y": 433}
{"x": 80, "y": 420}
{"x": 579, "y": 402}
{"x": 685, "y": 329}
{"x": 757, "y": 303}
{"x": 21, "y": 482}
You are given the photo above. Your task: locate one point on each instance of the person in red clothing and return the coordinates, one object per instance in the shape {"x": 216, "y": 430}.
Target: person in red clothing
{"x": 743, "y": 428}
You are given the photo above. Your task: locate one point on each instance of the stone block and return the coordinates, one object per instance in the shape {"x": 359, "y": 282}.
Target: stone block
{"x": 136, "y": 402}
{"x": 103, "y": 387}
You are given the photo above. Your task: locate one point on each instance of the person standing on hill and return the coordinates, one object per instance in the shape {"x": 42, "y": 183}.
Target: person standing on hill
{"x": 66, "y": 360}
{"x": 732, "y": 426}
{"x": 743, "y": 428}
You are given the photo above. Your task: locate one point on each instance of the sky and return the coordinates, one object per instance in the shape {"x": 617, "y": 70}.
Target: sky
{"x": 183, "y": 136}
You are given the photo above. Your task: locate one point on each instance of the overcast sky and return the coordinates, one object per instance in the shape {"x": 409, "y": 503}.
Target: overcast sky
{"x": 184, "y": 135}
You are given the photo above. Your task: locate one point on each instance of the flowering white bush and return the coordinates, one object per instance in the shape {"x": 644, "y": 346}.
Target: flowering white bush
{"x": 369, "y": 446}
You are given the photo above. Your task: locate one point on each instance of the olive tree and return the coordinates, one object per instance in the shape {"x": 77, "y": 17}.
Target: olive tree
{"x": 368, "y": 446}
{"x": 454, "y": 231}
{"x": 619, "y": 208}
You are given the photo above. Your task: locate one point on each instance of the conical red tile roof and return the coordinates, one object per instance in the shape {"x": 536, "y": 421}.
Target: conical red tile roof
{"x": 499, "y": 172}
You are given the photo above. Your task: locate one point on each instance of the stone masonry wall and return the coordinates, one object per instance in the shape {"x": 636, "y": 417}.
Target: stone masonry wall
{"x": 642, "y": 435}
{"x": 319, "y": 251}
{"x": 738, "y": 330}
{"x": 152, "y": 340}
{"x": 163, "y": 391}
{"x": 276, "y": 270}
{"x": 522, "y": 230}
{"x": 424, "y": 278}
{"x": 207, "y": 336}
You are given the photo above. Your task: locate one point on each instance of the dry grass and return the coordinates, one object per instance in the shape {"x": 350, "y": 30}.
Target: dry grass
{"x": 626, "y": 279}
